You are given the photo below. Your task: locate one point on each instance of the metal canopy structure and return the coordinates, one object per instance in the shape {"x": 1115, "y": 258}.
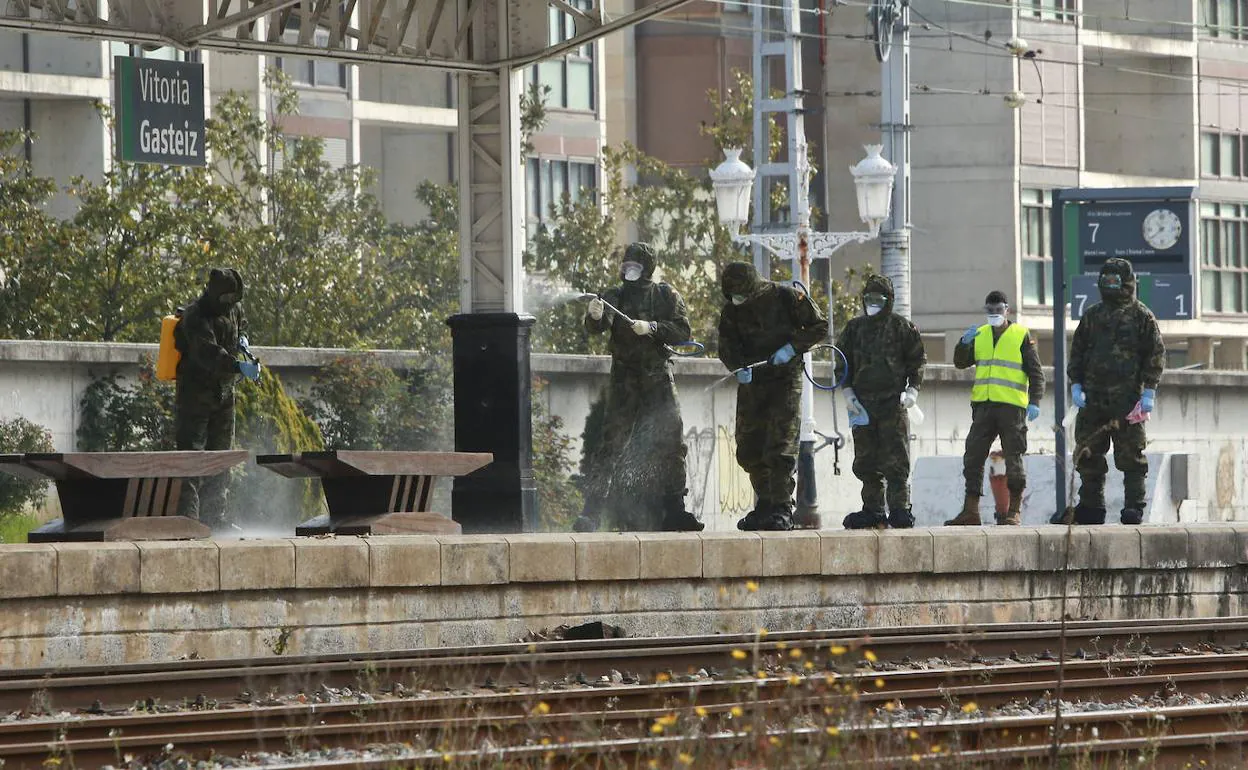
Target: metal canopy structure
{"x": 486, "y": 42}
{"x": 423, "y": 33}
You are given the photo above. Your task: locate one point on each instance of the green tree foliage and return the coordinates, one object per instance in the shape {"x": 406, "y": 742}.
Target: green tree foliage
{"x": 117, "y": 417}
{"x": 360, "y": 403}
{"x": 27, "y": 235}
{"x": 18, "y": 436}
{"x": 559, "y": 500}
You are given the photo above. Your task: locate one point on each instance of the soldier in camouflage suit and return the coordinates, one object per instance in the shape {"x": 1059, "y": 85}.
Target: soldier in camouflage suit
{"x": 885, "y": 355}
{"x": 637, "y": 481}
{"x": 765, "y": 321}
{"x": 1116, "y": 360}
{"x": 207, "y": 337}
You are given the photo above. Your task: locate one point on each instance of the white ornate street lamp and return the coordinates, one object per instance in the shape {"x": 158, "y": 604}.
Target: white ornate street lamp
{"x": 733, "y": 182}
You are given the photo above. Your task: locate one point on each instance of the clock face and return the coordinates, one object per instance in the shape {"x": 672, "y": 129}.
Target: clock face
{"x": 1162, "y": 228}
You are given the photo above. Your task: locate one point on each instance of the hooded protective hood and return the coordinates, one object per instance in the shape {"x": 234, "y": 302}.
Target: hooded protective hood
{"x": 642, "y": 254}
{"x": 224, "y": 289}
{"x": 739, "y": 278}
{"x": 878, "y": 284}
{"x": 1123, "y": 269}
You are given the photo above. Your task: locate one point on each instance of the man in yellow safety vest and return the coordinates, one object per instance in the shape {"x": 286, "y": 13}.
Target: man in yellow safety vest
{"x": 1009, "y": 384}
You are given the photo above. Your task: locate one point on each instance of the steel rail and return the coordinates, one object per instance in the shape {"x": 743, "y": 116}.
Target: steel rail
{"x": 520, "y": 664}
{"x": 513, "y": 716}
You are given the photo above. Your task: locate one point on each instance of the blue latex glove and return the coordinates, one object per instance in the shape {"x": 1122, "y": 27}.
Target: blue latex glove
{"x": 1148, "y": 400}
{"x": 745, "y": 376}
{"x": 1033, "y": 412}
{"x": 858, "y": 416}
{"x": 969, "y": 335}
{"x": 249, "y": 370}
{"x": 1077, "y": 396}
{"x": 783, "y": 355}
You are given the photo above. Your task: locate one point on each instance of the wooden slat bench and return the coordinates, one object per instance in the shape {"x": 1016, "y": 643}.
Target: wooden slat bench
{"x": 120, "y": 495}
{"x": 375, "y": 492}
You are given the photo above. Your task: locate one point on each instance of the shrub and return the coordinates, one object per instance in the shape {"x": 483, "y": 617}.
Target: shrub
{"x": 360, "y": 403}
{"x": 18, "y": 436}
{"x": 558, "y": 499}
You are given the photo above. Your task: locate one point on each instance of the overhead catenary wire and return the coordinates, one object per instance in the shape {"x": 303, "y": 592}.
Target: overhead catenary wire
{"x": 1005, "y": 55}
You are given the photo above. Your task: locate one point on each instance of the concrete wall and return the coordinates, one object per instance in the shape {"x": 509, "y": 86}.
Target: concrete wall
{"x": 96, "y": 603}
{"x": 1201, "y": 414}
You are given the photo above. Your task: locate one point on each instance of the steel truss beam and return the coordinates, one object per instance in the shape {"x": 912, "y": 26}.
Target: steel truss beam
{"x": 423, "y": 33}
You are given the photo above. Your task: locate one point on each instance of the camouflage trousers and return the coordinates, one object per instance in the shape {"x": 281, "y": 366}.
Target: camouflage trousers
{"x": 768, "y": 420}
{"x": 1095, "y": 429}
{"x": 204, "y": 421}
{"x": 988, "y": 421}
{"x": 882, "y": 455}
{"x": 640, "y": 466}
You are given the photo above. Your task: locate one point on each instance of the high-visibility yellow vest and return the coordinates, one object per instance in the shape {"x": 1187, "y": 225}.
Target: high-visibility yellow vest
{"x": 999, "y": 375}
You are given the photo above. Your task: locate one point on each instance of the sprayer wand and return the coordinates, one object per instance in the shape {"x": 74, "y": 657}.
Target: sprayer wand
{"x": 684, "y": 349}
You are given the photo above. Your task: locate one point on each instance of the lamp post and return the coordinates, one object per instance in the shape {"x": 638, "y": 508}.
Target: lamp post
{"x": 733, "y": 181}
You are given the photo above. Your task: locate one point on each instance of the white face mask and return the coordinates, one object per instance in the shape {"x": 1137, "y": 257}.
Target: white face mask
{"x": 738, "y": 299}
{"x": 873, "y": 309}
{"x": 632, "y": 271}
{"x": 996, "y": 320}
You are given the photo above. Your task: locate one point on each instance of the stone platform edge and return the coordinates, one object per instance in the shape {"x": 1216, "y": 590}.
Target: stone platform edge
{"x": 94, "y": 569}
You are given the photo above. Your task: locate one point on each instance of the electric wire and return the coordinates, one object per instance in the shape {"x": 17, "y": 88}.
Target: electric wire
{"x": 1005, "y": 55}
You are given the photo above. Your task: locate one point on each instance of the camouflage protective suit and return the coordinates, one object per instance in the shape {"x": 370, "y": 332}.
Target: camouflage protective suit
{"x": 1116, "y": 353}
{"x": 207, "y": 339}
{"x": 769, "y": 406}
{"x": 885, "y": 355}
{"x": 637, "y": 479}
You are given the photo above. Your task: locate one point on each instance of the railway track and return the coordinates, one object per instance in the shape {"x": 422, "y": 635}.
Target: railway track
{"x": 782, "y": 690}
{"x": 531, "y": 663}
{"x": 456, "y": 723}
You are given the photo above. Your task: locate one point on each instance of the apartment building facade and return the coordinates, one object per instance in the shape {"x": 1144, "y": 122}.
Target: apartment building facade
{"x": 399, "y": 121}
{"x": 1146, "y": 95}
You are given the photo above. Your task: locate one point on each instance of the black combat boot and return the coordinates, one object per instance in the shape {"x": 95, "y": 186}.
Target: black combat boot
{"x": 1133, "y": 514}
{"x": 1089, "y": 513}
{"x": 866, "y": 520}
{"x": 676, "y": 518}
{"x": 749, "y": 522}
{"x": 901, "y": 518}
{"x": 778, "y": 518}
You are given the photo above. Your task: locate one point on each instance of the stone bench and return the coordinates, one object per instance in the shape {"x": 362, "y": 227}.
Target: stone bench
{"x": 119, "y": 495}
{"x": 377, "y": 492}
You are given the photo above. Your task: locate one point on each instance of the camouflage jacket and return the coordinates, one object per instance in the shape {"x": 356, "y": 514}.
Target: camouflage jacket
{"x": 1117, "y": 351}
{"x": 643, "y": 301}
{"x": 775, "y": 315}
{"x": 885, "y": 355}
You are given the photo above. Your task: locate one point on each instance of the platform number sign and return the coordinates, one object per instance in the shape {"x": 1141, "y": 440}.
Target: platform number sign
{"x": 1154, "y": 234}
{"x": 1168, "y": 296}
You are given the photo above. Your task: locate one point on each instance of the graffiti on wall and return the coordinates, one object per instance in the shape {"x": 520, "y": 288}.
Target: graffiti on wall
{"x": 716, "y": 483}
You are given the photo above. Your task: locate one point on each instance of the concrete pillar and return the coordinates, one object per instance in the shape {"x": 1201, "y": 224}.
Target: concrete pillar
{"x": 1200, "y": 351}
{"x": 1230, "y": 354}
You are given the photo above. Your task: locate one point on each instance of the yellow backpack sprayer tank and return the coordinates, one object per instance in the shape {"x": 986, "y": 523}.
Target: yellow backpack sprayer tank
{"x": 168, "y": 356}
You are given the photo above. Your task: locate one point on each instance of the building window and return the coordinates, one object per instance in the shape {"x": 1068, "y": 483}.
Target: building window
{"x": 548, "y": 180}
{"x": 167, "y": 53}
{"x": 1222, "y": 155}
{"x": 313, "y": 73}
{"x": 1052, "y": 10}
{"x": 1223, "y": 257}
{"x": 1224, "y": 18}
{"x": 1037, "y": 250}
{"x": 570, "y": 78}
